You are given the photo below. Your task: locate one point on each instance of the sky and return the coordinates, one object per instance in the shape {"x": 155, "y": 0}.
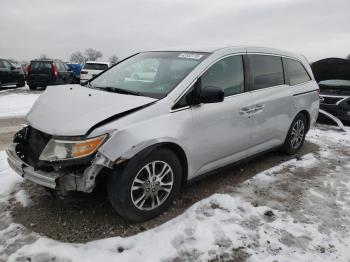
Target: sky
{"x": 29, "y": 28}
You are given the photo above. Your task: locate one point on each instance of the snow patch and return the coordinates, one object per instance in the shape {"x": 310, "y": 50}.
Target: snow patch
{"x": 8, "y": 178}
{"x": 15, "y": 105}
{"x": 22, "y": 198}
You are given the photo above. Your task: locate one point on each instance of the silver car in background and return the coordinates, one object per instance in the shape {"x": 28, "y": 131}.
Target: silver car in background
{"x": 187, "y": 113}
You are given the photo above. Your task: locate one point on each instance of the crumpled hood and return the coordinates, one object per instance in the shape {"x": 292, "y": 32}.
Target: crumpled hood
{"x": 71, "y": 110}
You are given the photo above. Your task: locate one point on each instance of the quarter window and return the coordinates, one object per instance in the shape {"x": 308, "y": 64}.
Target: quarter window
{"x": 227, "y": 74}
{"x": 295, "y": 72}
{"x": 267, "y": 71}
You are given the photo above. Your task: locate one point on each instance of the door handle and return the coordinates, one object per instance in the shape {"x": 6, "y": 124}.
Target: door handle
{"x": 258, "y": 107}
{"x": 246, "y": 111}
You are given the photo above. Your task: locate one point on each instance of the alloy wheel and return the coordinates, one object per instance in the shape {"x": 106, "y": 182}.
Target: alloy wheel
{"x": 152, "y": 185}
{"x": 297, "y": 135}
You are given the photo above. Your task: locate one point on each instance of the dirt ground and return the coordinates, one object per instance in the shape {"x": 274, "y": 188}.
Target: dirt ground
{"x": 83, "y": 217}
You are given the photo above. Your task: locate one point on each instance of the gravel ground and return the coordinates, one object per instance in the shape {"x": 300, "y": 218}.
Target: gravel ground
{"x": 83, "y": 217}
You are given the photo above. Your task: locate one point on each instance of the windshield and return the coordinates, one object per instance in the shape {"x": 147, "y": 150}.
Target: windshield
{"x": 152, "y": 74}
{"x": 95, "y": 66}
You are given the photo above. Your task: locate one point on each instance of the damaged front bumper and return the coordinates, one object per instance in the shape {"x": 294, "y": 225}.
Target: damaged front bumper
{"x": 58, "y": 179}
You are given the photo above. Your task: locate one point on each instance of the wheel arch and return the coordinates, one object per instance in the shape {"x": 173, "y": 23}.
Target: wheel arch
{"x": 308, "y": 118}
{"x": 176, "y": 149}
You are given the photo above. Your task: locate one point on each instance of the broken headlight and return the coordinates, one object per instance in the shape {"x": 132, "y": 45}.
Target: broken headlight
{"x": 58, "y": 149}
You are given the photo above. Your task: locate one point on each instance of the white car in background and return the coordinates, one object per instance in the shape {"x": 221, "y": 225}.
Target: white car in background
{"x": 92, "y": 68}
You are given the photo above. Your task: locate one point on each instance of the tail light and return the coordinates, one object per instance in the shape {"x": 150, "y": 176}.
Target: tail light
{"x": 55, "y": 71}
{"x": 83, "y": 72}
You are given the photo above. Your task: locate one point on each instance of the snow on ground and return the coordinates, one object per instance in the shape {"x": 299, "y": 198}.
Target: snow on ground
{"x": 296, "y": 211}
{"x": 7, "y": 179}
{"x": 16, "y": 105}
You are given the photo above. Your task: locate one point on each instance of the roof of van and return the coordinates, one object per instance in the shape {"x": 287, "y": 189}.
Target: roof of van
{"x": 213, "y": 49}
{"x": 97, "y": 62}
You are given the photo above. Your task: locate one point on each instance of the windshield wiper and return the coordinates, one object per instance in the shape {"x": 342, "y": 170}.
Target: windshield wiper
{"x": 118, "y": 90}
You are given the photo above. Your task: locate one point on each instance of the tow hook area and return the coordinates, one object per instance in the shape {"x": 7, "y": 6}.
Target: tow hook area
{"x": 86, "y": 181}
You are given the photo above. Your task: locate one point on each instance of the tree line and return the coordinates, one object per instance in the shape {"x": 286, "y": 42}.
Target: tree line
{"x": 88, "y": 54}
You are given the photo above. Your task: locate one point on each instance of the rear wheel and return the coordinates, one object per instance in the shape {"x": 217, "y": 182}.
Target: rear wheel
{"x": 21, "y": 82}
{"x": 296, "y": 135}
{"x": 32, "y": 87}
{"x": 146, "y": 186}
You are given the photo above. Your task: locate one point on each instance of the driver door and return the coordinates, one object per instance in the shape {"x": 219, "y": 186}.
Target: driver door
{"x": 222, "y": 131}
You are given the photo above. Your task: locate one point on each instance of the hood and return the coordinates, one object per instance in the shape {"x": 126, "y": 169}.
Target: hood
{"x": 71, "y": 110}
{"x": 331, "y": 68}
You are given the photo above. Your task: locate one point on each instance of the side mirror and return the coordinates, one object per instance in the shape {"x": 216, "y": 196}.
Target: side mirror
{"x": 211, "y": 95}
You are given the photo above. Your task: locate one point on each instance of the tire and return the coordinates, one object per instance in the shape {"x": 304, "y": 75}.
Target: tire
{"x": 296, "y": 135}
{"x": 136, "y": 205}
{"x": 32, "y": 87}
{"x": 21, "y": 83}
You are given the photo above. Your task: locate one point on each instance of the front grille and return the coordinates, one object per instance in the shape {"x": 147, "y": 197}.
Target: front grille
{"x": 331, "y": 100}
{"x": 31, "y": 146}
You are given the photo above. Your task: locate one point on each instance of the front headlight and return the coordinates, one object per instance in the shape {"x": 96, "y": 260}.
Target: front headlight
{"x": 66, "y": 149}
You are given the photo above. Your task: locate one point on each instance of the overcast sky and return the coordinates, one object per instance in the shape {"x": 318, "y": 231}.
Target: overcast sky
{"x": 29, "y": 28}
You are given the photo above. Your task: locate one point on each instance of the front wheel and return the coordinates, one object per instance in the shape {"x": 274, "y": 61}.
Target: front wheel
{"x": 296, "y": 135}
{"x": 147, "y": 186}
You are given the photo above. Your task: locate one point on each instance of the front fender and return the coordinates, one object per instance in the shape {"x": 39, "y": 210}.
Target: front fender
{"x": 125, "y": 144}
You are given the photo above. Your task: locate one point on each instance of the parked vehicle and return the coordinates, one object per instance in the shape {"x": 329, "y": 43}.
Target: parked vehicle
{"x": 202, "y": 110}
{"x": 333, "y": 77}
{"x": 76, "y": 69}
{"x": 42, "y": 73}
{"x": 11, "y": 74}
{"x": 92, "y": 69}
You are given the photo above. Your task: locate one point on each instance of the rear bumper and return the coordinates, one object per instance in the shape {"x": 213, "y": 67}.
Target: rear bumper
{"x": 84, "y": 78}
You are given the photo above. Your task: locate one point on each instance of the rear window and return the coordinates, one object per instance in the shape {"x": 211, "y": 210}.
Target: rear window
{"x": 40, "y": 65}
{"x": 93, "y": 66}
{"x": 60, "y": 67}
{"x": 295, "y": 72}
{"x": 267, "y": 71}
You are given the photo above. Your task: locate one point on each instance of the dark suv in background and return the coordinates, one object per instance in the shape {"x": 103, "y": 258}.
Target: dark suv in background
{"x": 10, "y": 74}
{"x": 48, "y": 72}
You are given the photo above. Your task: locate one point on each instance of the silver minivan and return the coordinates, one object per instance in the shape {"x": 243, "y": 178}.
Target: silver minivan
{"x": 159, "y": 119}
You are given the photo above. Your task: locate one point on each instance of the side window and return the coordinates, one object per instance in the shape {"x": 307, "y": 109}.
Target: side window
{"x": 65, "y": 66}
{"x": 6, "y": 64}
{"x": 60, "y": 67}
{"x": 267, "y": 71}
{"x": 295, "y": 72}
{"x": 227, "y": 74}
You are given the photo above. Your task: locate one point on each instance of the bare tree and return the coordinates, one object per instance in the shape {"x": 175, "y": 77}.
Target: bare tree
{"x": 13, "y": 60}
{"x": 44, "y": 56}
{"x": 78, "y": 57}
{"x": 92, "y": 54}
{"x": 113, "y": 59}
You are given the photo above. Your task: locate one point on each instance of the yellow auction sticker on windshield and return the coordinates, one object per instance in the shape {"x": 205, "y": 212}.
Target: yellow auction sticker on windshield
{"x": 190, "y": 56}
